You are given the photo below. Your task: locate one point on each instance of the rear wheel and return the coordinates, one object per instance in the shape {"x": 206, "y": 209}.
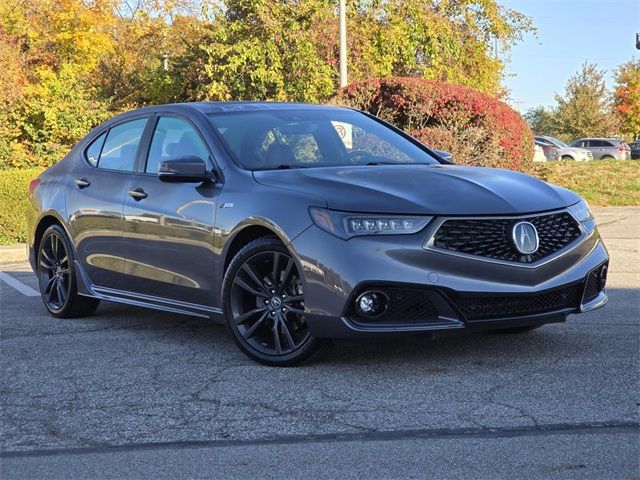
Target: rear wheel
{"x": 607, "y": 157}
{"x": 56, "y": 277}
{"x": 264, "y": 305}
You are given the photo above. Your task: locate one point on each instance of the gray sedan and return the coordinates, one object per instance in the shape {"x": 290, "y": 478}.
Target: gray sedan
{"x": 297, "y": 223}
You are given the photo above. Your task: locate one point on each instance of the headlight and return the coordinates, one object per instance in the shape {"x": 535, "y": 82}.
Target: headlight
{"x": 581, "y": 211}
{"x": 346, "y": 225}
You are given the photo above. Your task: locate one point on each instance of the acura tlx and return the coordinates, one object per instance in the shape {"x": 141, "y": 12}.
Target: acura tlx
{"x": 297, "y": 223}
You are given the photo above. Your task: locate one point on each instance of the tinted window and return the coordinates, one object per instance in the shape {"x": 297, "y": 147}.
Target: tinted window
{"x": 313, "y": 138}
{"x": 93, "y": 151}
{"x": 174, "y": 138}
{"x": 119, "y": 150}
{"x": 607, "y": 144}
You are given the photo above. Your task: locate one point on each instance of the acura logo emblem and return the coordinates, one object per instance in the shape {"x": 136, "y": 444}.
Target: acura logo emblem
{"x": 525, "y": 238}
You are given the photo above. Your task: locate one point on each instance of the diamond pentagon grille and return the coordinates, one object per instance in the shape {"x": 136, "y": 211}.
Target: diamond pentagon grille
{"x": 491, "y": 237}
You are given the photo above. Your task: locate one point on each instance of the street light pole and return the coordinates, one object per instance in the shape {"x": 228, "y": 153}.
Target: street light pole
{"x": 343, "y": 44}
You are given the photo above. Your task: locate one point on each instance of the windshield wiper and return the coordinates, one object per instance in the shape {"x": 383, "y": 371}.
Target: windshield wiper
{"x": 283, "y": 166}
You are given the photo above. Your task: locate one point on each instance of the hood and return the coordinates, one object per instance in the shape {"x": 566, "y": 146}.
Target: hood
{"x": 423, "y": 189}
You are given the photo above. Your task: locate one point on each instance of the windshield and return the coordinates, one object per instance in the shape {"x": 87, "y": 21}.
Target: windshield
{"x": 302, "y": 138}
{"x": 557, "y": 142}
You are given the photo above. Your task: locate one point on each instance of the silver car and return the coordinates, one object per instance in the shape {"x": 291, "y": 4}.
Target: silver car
{"x": 605, "y": 148}
{"x": 564, "y": 152}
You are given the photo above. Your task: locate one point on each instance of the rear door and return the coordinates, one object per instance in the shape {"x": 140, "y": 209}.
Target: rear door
{"x": 168, "y": 227}
{"x": 95, "y": 199}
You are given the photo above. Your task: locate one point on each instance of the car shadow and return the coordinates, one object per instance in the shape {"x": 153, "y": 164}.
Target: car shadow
{"x": 203, "y": 335}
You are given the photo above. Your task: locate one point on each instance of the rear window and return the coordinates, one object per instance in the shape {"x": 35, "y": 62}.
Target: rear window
{"x": 121, "y": 145}
{"x": 93, "y": 151}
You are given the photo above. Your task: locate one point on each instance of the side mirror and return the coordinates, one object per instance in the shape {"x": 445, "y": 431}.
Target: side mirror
{"x": 187, "y": 169}
{"x": 448, "y": 156}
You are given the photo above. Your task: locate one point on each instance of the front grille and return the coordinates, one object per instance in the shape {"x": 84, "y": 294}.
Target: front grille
{"x": 487, "y": 306}
{"x": 491, "y": 237}
{"x": 406, "y": 306}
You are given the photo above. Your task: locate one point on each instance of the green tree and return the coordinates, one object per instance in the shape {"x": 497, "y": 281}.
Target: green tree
{"x": 541, "y": 121}
{"x": 286, "y": 49}
{"x": 585, "y": 108}
{"x": 627, "y": 97}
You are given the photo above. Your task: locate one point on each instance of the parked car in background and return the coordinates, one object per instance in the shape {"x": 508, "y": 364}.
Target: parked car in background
{"x": 565, "y": 152}
{"x": 635, "y": 150}
{"x": 605, "y": 148}
{"x": 538, "y": 154}
{"x": 551, "y": 152}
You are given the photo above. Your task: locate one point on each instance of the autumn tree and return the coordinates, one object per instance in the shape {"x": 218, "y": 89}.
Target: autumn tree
{"x": 285, "y": 49}
{"x": 584, "y": 110}
{"x": 541, "y": 121}
{"x": 627, "y": 97}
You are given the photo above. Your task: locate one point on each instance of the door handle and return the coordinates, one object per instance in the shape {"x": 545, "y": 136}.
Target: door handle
{"x": 138, "y": 193}
{"x": 82, "y": 183}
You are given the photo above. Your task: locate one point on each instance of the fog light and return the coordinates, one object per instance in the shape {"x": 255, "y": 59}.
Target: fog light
{"x": 372, "y": 303}
{"x": 603, "y": 277}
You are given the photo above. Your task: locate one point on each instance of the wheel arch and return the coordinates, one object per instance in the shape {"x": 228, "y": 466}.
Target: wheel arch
{"x": 45, "y": 222}
{"x": 245, "y": 235}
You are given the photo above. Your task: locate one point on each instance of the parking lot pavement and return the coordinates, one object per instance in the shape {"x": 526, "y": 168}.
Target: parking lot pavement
{"x": 135, "y": 393}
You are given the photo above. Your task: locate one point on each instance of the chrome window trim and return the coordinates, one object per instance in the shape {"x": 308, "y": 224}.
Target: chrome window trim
{"x": 437, "y": 223}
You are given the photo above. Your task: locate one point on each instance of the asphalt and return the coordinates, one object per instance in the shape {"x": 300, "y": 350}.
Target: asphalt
{"x": 130, "y": 393}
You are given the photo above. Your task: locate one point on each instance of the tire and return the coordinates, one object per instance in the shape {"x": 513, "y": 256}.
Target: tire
{"x": 515, "y": 330}
{"x": 264, "y": 305}
{"x": 56, "y": 277}
{"x": 567, "y": 158}
{"x": 607, "y": 157}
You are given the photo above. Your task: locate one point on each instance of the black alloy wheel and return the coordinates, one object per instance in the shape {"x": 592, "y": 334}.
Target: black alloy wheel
{"x": 56, "y": 277}
{"x": 264, "y": 305}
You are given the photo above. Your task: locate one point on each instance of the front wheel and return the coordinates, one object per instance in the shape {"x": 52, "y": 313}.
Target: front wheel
{"x": 264, "y": 305}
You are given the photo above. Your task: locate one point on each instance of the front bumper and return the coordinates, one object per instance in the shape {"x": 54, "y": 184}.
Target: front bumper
{"x": 336, "y": 271}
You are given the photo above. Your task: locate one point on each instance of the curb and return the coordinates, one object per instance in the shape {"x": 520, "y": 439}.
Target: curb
{"x": 13, "y": 253}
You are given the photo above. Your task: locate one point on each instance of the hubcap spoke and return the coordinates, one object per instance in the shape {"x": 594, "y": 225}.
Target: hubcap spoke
{"x": 276, "y": 272}
{"x": 249, "y": 314}
{"x": 287, "y": 333}
{"x": 54, "y": 247}
{"x": 60, "y": 293}
{"x": 276, "y": 337}
{"x": 294, "y": 299}
{"x": 249, "y": 333}
{"x": 287, "y": 273}
{"x": 254, "y": 276}
{"x": 50, "y": 284}
{"x": 241, "y": 283}
{"x": 49, "y": 261}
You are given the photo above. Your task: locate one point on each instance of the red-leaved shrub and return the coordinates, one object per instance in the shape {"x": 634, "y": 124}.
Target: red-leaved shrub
{"x": 477, "y": 128}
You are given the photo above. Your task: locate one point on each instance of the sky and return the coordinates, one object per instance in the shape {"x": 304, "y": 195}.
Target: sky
{"x": 569, "y": 32}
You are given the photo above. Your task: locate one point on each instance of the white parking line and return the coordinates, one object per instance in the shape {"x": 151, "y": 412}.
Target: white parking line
{"x": 19, "y": 286}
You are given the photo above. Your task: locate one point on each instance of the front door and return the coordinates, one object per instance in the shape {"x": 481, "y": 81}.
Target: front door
{"x": 168, "y": 227}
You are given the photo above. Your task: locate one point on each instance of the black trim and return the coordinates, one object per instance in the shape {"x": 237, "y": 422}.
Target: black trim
{"x": 107, "y": 130}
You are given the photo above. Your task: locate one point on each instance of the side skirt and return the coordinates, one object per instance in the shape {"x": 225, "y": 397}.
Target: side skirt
{"x": 87, "y": 289}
